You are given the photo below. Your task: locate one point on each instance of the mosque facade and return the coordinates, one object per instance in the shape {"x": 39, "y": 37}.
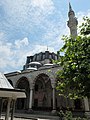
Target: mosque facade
{"x": 38, "y": 78}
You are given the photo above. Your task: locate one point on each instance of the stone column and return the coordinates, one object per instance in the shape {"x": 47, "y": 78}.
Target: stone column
{"x": 13, "y": 109}
{"x": 8, "y": 109}
{"x": 54, "y": 97}
{"x": 1, "y": 107}
{"x": 86, "y": 105}
{"x": 31, "y": 99}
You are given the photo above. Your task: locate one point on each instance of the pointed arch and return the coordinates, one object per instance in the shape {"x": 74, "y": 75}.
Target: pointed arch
{"x": 23, "y": 83}
{"x": 42, "y": 92}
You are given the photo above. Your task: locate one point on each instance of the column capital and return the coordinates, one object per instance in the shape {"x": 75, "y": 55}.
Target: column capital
{"x": 86, "y": 104}
{"x": 31, "y": 86}
{"x": 53, "y": 85}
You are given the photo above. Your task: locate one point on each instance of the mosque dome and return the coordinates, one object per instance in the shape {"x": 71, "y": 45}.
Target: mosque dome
{"x": 40, "y": 59}
{"x": 35, "y": 64}
{"x": 31, "y": 68}
{"x": 49, "y": 64}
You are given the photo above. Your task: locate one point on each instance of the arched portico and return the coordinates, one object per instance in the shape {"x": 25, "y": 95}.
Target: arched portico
{"x": 23, "y": 83}
{"x": 42, "y": 93}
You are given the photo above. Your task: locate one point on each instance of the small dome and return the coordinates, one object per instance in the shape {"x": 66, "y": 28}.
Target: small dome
{"x": 37, "y": 63}
{"x": 32, "y": 68}
{"x": 48, "y": 64}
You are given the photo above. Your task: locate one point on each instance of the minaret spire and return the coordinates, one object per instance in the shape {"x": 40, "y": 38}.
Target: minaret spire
{"x": 70, "y": 8}
{"x": 72, "y": 22}
{"x": 47, "y": 48}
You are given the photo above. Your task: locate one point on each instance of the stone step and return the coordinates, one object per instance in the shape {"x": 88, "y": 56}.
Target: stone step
{"x": 36, "y": 116}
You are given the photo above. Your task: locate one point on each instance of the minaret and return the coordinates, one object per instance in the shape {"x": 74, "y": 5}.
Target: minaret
{"x": 72, "y": 22}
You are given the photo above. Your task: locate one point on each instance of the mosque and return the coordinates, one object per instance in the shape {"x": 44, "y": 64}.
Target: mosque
{"x": 38, "y": 78}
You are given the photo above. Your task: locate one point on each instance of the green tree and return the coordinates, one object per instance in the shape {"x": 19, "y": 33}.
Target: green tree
{"x": 74, "y": 78}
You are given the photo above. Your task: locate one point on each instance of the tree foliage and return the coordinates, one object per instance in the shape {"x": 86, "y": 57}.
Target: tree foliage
{"x": 74, "y": 78}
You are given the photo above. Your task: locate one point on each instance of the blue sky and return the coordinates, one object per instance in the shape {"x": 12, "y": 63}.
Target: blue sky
{"x": 29, "y": 26}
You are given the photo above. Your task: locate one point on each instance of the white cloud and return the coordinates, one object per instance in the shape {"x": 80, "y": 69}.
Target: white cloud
{"x": 1, "y": 35}
{"x": 54, "y": 33}
{"x": 13, "y": 55}
{"x": 4, "y": 46}
{"x": 26, "y": 12}
{"x": 5, "y": 51}
{"x": 10, "y": 56}
{"x": 42, "y": 48}
{"x": 21, "y": 43}
{"x": 43, "y": 4}
{"x": 80, "y": 16}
